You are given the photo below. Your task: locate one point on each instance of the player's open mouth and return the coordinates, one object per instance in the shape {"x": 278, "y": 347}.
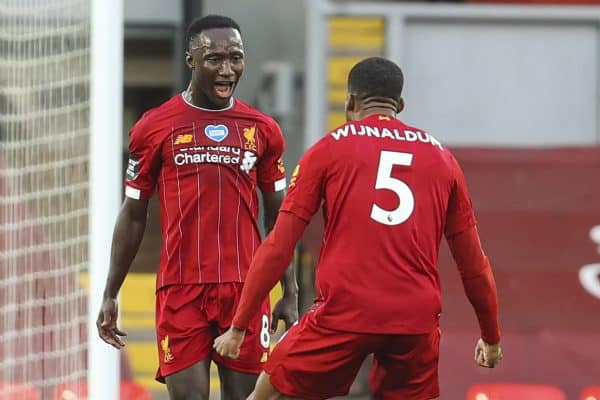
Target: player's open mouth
{"x": 224, "y": 89}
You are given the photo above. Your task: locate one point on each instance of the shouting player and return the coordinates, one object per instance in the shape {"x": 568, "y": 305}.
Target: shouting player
{"x": 204, "y": 153}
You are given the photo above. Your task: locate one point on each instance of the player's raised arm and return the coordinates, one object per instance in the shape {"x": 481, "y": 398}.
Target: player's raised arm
{"x": 286, "y": 308}
{"x": 272, "y": 182}
{"x": 268, "y": 266}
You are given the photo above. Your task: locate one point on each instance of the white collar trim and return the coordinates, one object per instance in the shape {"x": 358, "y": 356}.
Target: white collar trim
{"x": 231, "y": 102}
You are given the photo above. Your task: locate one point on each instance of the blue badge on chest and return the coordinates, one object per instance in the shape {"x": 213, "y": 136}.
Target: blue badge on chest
{"x": 216, "y": 132}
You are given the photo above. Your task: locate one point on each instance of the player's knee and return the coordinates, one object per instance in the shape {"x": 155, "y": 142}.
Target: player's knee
{"x": 237, "y": 392}
{"x": 235, "y": 385}
{"x": 180, "y": 390}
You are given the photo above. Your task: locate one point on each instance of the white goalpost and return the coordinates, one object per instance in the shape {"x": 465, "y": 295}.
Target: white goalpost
{"x": 60, "y": 189}
{"x": 106, "y": 111}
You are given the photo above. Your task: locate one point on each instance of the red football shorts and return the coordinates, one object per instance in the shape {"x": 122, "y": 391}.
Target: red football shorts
{"x": 190, "y": 317}
{"x": 313, "y": 363}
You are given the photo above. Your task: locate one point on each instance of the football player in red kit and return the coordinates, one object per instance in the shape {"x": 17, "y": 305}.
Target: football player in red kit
{"x": 203, "y": 153}
{"x": 389, "y": 193}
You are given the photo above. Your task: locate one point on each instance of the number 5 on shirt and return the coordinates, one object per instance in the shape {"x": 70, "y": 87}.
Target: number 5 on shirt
{"x": 406, "y": 199}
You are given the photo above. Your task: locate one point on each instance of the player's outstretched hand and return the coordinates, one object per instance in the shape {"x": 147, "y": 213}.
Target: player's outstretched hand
{"x": 286, "y": 309}
{"x": 107, "y": 324}
{"x": 228, "y": 344}
{"x": 487, "y": 355}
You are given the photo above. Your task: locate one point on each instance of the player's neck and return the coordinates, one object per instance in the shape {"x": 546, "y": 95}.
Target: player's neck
{"x": 193, "y": 99}
{"x": 376, "y": 110}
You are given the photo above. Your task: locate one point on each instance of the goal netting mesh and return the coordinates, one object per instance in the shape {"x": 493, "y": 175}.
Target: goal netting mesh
{"x": 44, "y": 130}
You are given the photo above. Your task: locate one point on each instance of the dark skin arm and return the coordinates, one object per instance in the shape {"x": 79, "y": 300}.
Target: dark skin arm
{"x": 127, "y": 236}
{"x": 286, "y": 309}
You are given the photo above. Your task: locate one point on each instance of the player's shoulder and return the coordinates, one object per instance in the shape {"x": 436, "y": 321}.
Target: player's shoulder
{"x": 246, "y": 111}
{"x": 438, "y": 147}
{"x": 422, "y": 134}
{"x": 324, "y": 148}
{"x": 161, "y": 112}
{"x": 411, "y": 133}
{"x": 332, "y": 145}
{"x": 154, "y": 123}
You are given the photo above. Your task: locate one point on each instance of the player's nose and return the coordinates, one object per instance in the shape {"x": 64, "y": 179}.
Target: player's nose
{"x": 226, "y": 68}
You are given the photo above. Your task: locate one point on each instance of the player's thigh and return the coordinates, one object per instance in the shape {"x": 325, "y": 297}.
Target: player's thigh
{"x": 235, "y": 385}
{"x": 191, "y": 383}
{"x": 407, "y": 368}
{"x": 255, "y": 347}
{"x": 312, "y": 362}
{"x": 184, "y": 336}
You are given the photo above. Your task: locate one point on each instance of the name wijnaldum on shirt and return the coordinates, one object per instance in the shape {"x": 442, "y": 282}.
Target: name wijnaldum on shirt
{"x": 385, "y": 133}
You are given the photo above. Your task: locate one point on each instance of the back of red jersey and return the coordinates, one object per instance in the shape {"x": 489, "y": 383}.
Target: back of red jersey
{"x": 389, "y": 191}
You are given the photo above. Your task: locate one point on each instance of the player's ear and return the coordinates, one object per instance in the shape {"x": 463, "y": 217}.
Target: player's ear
{"x": 349, "y": 106}
{"x": 350, "y": 102}
{"x": 189, "y": 60}
{"x": 400, "y": 105}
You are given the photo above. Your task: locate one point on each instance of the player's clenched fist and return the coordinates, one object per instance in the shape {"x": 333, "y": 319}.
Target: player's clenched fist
{"x": 487, "y": 355}
{"x": 228, "y": 344}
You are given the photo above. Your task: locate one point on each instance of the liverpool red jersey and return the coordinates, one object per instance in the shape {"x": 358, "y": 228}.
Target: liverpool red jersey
{"x": 205, "y": 166}
{"x": 389, "y": 192}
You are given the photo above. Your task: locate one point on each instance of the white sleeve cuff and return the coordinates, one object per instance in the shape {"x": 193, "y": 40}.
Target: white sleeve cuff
{"x": 132, "y": 193}
{"x": 280, "y": 185}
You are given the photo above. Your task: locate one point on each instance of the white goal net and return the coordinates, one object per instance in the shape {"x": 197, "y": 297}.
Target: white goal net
{"x": 44, "y": 133}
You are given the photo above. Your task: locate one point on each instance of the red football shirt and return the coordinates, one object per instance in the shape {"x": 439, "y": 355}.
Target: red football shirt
{"x": 205, "y": 166}
{"x": 389, "y": 192}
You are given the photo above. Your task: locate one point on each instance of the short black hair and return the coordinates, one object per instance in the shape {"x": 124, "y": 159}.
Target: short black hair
{"x": 376, "y": 77}
{"x": 209, "y": 22}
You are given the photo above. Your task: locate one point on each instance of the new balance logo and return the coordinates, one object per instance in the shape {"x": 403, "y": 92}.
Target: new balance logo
{"x": 182, "y": 139}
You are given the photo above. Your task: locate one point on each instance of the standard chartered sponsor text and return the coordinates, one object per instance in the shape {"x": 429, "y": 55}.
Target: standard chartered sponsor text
{"x": 208, "y": 154}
